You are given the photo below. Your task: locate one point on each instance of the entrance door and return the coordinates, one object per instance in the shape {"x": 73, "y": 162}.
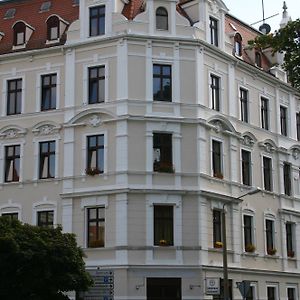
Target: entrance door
{"x": 163, "y": 288}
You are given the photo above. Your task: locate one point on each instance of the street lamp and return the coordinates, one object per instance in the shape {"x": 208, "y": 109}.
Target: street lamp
{"x": 225, "y": 264}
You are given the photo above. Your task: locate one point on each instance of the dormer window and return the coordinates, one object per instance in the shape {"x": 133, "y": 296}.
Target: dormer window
{"x": 258, "y": 59}
{"x": 19, "y": 33}
{"x": 238, "y": 44}
{"x": 53, "y": 28}
{"x": 161, "y": 19}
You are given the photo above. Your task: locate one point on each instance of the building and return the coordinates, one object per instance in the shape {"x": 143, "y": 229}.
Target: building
{"x": 132, "y": 123}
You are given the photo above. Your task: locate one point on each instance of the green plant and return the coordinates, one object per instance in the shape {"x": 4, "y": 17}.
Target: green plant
{"x": 250, "y": 248}
{"x": 218, "y": 245}
{"x": 92, "y": 171}
{"x": 291, "y": 253}
{"x": 271, "y": 251}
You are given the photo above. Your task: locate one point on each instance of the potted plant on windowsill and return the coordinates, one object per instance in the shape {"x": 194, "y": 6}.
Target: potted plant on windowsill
{"x": 271, "y": 251}
{"x": 163, "y": 242}
{"x": 92, "y": 171}
{"x": 291, "y": 253}
{"x": 218, "y": 175}
{"x": 250, "y": 248}
{"x": 218, "y": 245}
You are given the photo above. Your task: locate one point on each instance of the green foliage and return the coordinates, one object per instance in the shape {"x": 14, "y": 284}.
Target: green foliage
{"x": 39, "y": 263}
{"x": 286, "y": 40}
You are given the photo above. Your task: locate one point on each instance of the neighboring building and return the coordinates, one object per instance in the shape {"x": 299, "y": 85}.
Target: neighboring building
{"x": 132, "y": 123}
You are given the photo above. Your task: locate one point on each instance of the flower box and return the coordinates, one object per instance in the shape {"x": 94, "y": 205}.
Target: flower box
{"x": 163, "y": 243}
{"x": 250, "y": 248}
{"x": 218, "y": 245}
{"x": 271, "y": 251}
{"x": 218, "y": 175}
{"x": 291, "y": 253}
{"x": 92, "y": 171}
{"x": 163, "y": 167}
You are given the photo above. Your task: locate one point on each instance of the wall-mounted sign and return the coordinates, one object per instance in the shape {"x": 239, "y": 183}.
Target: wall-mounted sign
{"x": 212, "y": 286}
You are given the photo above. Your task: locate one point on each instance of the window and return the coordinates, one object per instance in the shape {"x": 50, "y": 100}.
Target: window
{"x": 213, "y": 25}
{"x": 217, "y": 228}
{"x": 163, "y": 225}
{"x": 283, "y": 120}
{"x": 45, "y": 218}
{"x": 10, "y": 13}
{"x": 217, "y": 159}
{"x": 162, "y": 83}
{"x": 53, "y": 28}
{"x": 246, "y": 167}
{"x": 95, "y": 154}
{"x": 289, "y": 227}
{"x": 267, "y": 170}
{"x": 244, "y": 105}
{"x": 258, "y": 59}
{"x": 11, "y": 216}
{"x": 97, "y": 20}
{"x": 291, "y": 293}
{"x": 95, "y": 227}
{"x": 264, "y": 111}
{"x": 298, "y": 125}
{"x": 270, "y": 237}
{"x": 287, "y": 178}
{"x": 221, "y": 296}
{"x": 162, "y": 152}
{"x": 251, "y": 294}
{"x": 238, "y": 44}
{"x": 271, "y": 293}
{"x": 19, "y": 34}
{"x": 96, "y": 84}
{"x": 248, "y": 234}
{"x": 48, "y": 100}
{"x": 164, "y": 288}
{"x": 12, "y": 163}
{"x": 161, "y": 19}
{"x": 47, "y": 160}
{"x": 45, "y": 6}
{"x": 14, "y": 96}
{"x": 215, "y": 92}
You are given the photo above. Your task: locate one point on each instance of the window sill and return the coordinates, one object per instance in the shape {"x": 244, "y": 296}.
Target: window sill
{"x": 18, "y": 47}
{"x": 271, "y": 256}
{"x": 51, "y": 42}
{"x": 251, "y": 254}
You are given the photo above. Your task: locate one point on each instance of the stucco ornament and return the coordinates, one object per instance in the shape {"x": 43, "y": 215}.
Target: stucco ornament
{"x": 46, "y": 129}
{"x": 295, "y": 153}
{"x": 248, "y": 141}
{"x": 214, "y": 6}
{"x": 12, "y": 133}
{"x": 94, "y": 121}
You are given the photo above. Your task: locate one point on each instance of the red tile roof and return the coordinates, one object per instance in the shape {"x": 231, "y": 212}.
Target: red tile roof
{"x": 29, "y": 12}
{"x": 133, "y": 8}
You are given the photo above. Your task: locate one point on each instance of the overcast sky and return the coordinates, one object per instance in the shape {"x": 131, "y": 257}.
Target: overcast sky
{"x": 251, "y": 11}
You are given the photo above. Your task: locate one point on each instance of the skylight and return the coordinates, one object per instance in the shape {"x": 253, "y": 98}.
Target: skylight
{"x": 45, "y": 6}
{"x": 10, "y": 13}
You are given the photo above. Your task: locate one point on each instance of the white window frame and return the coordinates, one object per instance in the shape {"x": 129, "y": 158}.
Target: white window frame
{"x": 39, "y": 88}
{"x": 5, "y": 94}
{"x": 292, "y": 286}
{"x": 213, "y": 138}
{"x": 251, "y": 165}
{"x": 269, "y": 111}
{"x": 93, "y": 202}
{"x": 85, "y": 89}
{"x": 11, "y": 208}
{"x": 84, "y": 151}
{"x": 221, "y": 89}
{"x": 44, "y": 206}
{"x": 272, "y": 172}
{"x": 164, "y": 199}
{"x": 273, "y": 285}
{"x": 250, "y": 213}
{"x": 21, "y": 143}
{"x": 288, "y": 126}
{"x": 219, "y": 30}
{"x": 271, "y": 217}
{"x": 243, "y": 87}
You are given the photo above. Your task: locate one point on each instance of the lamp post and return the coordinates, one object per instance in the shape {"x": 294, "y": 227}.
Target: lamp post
{"x": 225, "y": 264}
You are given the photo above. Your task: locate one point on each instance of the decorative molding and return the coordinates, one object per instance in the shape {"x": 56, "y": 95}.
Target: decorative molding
{"x": 267, "y": 146}
{"x": 94, "y": 121}
{"x": 12, "y": 132}
{"x": 46, "y": 128}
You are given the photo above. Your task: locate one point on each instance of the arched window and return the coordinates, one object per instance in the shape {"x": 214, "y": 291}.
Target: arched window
{"x": 258, "y": 59}
{"x": 238, "y": 44}
{"x": 52, "y": 28}
{"x": 19, "y": 34}
{"x": 161, "y": 18}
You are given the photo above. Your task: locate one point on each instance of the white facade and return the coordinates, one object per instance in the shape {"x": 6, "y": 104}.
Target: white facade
{"x": 129, "y": 120}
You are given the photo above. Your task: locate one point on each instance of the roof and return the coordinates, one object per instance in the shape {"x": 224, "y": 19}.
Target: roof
{"x": 28, "y": 11}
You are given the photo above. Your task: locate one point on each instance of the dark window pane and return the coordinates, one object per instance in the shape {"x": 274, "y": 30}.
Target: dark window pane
{"x": 162, "y": 152}
{"x": 47, "y": 160}
{"x": 97, "y": 20}
{"x": 283, "y": 120}
{"x": 96, "y": 84}
{"x": 162, "y": 83}
{"x": 217, "y": 227}
{"x": 95, "y": 154}
{"x": 217, "y": 159}
{"x": 14, "y": 96}
{"x": 246, "y": 167}
{"x": 287, "y": 179}
{"x": 161, "y": 18}
{"x": 12, "y": 163}
{"x": 49, "y": 91}
{"x": 164, "y": 288}
{"x": 45, "y": 218}
{"x": 95, "y": 227}
{"x": 267, "y": 166}
{"x": 163, "y": 225}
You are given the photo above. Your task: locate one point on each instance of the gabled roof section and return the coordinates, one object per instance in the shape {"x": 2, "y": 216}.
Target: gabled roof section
{"x": 29, "y": 12}
{"x": 133, "y": 8}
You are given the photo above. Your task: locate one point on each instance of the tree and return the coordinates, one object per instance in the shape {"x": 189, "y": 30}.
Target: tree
{"x": 39, "y": 263}
{"x": 286, "y": 40}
